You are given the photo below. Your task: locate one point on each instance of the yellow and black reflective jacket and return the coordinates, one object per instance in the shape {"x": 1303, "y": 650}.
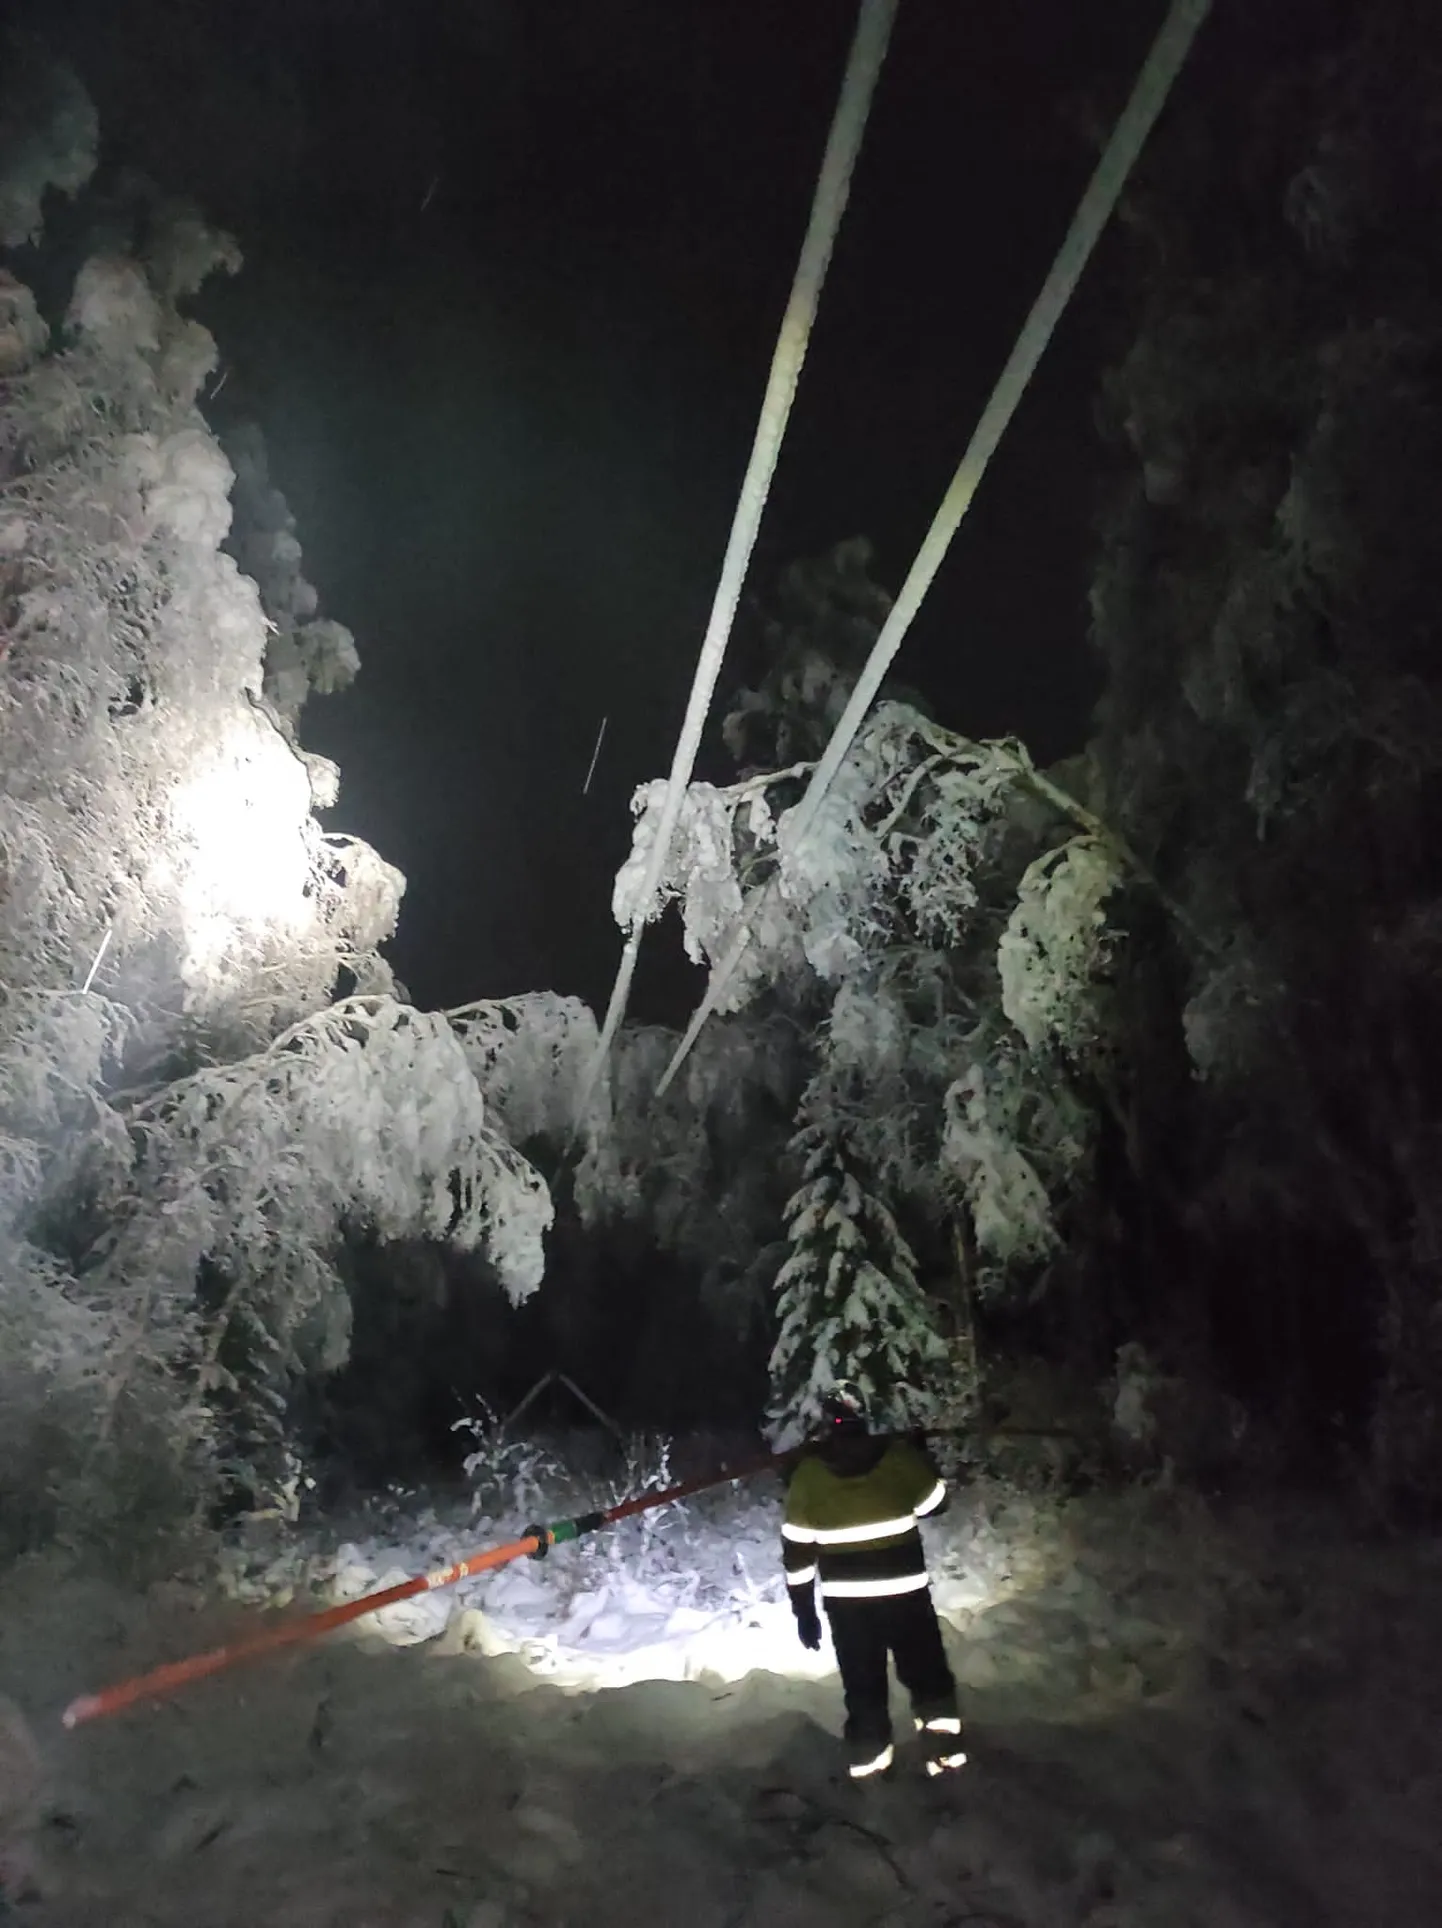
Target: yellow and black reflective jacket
{"x": 851, "y": 1513}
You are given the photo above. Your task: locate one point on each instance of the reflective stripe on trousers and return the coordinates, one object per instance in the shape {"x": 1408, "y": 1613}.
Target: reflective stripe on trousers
{"x": 873, "y": 1589}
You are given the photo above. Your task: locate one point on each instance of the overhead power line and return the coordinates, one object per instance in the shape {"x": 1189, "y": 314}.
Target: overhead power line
{"x": 863, "y": 68}
{"x": 1154, "y": 83}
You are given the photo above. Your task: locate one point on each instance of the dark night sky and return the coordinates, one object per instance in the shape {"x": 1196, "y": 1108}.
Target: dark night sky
{"x": 512, "y": 425}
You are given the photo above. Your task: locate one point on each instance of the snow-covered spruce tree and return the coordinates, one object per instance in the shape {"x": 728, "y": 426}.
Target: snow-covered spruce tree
{"x": 945, "y": 933}
{"x": 848, "y": 1304}
{"x": 1266, "y": 601}
{"x": 186, "y": 1131}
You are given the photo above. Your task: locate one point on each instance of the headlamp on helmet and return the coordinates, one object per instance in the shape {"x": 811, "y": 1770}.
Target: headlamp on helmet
{"x": 844, "y": 1404}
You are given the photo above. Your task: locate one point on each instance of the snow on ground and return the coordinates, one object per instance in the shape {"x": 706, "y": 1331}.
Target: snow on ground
{"x": 1177, "y": 1719}
{"x": 690, "y": 1591}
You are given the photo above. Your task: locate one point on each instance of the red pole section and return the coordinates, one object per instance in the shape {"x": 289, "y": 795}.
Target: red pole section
{"x": 294, "y": 1633}
{"x": 645, "y": 1501}
{"x": 179, "y": 1673}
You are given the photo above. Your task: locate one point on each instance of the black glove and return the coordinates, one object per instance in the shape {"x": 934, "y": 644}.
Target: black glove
{"x": 808, "y": 1623}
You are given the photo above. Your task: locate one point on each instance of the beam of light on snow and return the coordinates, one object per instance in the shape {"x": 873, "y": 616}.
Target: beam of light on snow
{"x": 617, "y": 1636}
{"x": 702, "y": 1598}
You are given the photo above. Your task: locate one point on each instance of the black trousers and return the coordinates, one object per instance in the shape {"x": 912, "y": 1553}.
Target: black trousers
{"x": 900, "y": 1626}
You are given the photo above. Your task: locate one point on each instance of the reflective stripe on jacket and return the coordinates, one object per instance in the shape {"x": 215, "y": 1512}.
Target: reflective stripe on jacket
{"x": 855, "y": 1530}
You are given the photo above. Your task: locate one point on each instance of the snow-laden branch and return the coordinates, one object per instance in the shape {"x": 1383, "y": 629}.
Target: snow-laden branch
{"x": 901, "y": 831}
{"x": 529, "y": 1055}
{"x": 1056, "y": 943}
{"x": 366, "y": 1114}
{"x": 998, "y": 1126}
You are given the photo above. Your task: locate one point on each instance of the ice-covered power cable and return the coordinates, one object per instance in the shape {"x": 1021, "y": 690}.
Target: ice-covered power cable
{"x": 863, "y": 68}
{"x": 1148, "y": 97}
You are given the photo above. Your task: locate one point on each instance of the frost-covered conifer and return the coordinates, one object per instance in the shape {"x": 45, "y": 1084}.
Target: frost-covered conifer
{"x": 957, "y": 930}
{"x": 190, "y": 1125}
{"x": 848, "y": 1303}
{"x": 1266, "y": 602}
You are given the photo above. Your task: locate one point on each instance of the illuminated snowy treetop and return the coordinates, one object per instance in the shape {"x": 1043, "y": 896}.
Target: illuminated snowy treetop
{"x": 148, "y": 802}
{"x": 187, "y": 1133}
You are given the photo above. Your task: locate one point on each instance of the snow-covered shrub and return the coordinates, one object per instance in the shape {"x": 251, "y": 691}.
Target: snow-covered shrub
{"x": 848, "y": 1304}
{"x": 514, "y": 1479}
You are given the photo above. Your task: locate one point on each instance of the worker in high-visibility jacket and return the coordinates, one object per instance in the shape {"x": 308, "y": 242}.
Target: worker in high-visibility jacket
{"x": 850, "y": 1529}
